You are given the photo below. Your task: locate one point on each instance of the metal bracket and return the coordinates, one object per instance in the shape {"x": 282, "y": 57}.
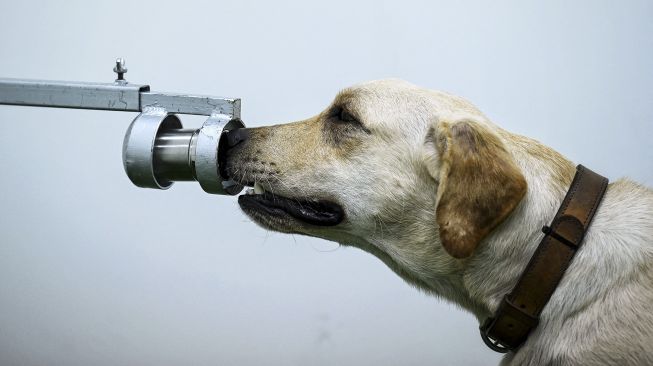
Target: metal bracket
{"x": 152, "y": 154}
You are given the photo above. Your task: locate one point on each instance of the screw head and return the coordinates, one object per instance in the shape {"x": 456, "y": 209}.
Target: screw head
{"x": 120, "y": 66}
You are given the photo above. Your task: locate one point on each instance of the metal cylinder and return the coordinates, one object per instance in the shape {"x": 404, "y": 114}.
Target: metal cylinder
{"x": 174, "y": 157}
{"x": 157, "y": 151}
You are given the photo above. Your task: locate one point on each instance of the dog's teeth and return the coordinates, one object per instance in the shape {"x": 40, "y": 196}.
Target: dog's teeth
{"x": 249, "y": 191}
{"x": 258, "y": 189}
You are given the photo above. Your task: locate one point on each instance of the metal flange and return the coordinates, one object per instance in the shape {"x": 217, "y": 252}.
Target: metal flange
{"x": 207, "y": 155}
{"x": 138, "y": 147}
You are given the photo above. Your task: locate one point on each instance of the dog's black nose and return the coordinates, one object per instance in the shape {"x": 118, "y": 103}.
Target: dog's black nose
{"x": 229, "y": 140}
{"x": 236, "y": 136}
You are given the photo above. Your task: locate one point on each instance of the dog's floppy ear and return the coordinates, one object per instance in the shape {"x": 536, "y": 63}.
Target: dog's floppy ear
{"x": 479, "y": 183}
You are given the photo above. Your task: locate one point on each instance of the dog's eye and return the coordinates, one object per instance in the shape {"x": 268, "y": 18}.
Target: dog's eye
{"x": 341, "y": 115}
{"x": 345, "y": 116}
{"x": 344, "y": 123}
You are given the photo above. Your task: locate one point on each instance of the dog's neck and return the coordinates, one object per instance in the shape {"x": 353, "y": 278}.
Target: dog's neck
{"x": 478, "y": 283}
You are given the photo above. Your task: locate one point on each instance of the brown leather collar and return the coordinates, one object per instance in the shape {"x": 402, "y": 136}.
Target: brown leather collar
{"x": 518, "y": 314}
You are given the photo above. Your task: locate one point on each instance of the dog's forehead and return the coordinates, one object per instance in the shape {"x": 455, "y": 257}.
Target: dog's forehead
{"x": 397, "y": 105}
{"x": 383, "y": 102}
{"x": 375, "y": 90}
{"x": 397, "y": 93}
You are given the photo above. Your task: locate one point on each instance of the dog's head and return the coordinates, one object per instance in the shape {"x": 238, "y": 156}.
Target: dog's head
{"x": 397, "y": 170}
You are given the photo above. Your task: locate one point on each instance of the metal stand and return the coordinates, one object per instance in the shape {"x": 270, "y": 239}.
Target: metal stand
{"x": 157, "y": 150}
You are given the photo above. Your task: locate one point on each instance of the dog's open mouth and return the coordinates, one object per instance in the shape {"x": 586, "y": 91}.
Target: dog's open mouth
{"x": 320, "y": 213}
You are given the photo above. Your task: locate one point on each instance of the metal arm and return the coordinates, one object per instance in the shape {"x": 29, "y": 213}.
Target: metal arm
{"x": 109, "y": 97}
{"x": 157, "y": 150}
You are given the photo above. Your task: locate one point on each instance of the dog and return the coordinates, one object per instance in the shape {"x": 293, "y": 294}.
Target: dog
{"x": 455, "y": 205}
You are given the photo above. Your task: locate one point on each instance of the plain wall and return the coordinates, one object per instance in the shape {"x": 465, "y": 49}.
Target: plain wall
{"x": 94, "y": 271}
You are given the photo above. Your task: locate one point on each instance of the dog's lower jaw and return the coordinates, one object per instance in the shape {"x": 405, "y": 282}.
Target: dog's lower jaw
{"x": 283, "y": 224}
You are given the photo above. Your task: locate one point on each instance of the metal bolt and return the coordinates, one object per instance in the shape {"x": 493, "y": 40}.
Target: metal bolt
{"x": 121, "y": 70}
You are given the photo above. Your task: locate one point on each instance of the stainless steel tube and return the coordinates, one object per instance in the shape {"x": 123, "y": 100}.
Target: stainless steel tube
{"x": 174, "y": 155}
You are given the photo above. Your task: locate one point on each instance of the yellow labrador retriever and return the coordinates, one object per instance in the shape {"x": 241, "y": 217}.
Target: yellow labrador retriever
{"x": 454, "y": 205}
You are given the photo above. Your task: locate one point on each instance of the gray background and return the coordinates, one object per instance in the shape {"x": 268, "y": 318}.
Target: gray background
{"x": 94, "y": 271}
